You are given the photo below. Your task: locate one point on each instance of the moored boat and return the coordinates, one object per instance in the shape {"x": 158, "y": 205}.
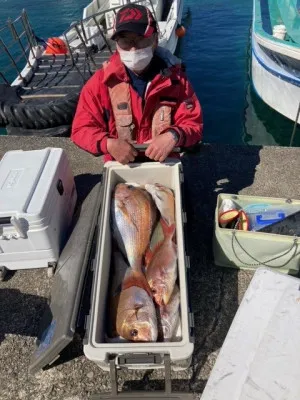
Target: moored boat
{"x": 276, "y": 55}
{"x": 168, "y": 14}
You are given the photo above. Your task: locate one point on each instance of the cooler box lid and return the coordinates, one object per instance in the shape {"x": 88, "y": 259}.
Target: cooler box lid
{"x": 20, "y": 172}
{"x": 71, "y": 285}
{"x": 259, "y": 359}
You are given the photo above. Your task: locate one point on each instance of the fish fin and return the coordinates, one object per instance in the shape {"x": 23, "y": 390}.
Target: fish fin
{"x": 157, "y": 239}
{"x": 137, "y": 264}
{"x": 151, "y": 252}
{"x": 168, "y": 230}
{"x": 122, "y": 207}
{"x": 124, "y": 210}
{"x": 148, "y": 256}
{"x": 174, "y": 240}
{"x": 136, "y": 278}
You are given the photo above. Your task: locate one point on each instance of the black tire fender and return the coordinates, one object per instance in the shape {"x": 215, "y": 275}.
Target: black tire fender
{"x": 55, "y": 113}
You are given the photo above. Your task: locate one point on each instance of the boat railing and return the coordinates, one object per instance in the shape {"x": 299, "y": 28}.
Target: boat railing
{"x": 116, "y": 8}
{"x": 80, "y": 30}
{"x": 81, "y": 25}
{"x": 17, "y": 47}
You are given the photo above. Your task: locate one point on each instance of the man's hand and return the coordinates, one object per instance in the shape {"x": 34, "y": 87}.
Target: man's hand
{"x": 121, "y": 150}
{"x": 160, "y": 147}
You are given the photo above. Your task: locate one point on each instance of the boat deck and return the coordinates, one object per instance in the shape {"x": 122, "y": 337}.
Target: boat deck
{"x": 215, "y": 292}
{"x": 57, "y": 76}
{"x": 42, "y": 78}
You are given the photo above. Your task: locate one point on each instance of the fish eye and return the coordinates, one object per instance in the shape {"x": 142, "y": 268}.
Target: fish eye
{"x": 134, "y": 332}
{"x": 130, "y": 187}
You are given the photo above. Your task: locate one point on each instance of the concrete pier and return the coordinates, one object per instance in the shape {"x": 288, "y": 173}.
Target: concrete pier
{"x": 215, "y": 292}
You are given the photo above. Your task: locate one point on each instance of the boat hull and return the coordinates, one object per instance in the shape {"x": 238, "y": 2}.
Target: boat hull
{"x": 275, "y": 62}
{"x": 167, "y": 38}
{"x": 175, "y": 18}
{"x": 275, "y": 86}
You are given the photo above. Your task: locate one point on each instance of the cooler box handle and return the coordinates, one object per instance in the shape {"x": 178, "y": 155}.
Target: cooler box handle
{"x": 167, "y": 394}
{"x": 15, "y": 223}
{"x": 5, "y": 220}
{"x": 144, "y": 146}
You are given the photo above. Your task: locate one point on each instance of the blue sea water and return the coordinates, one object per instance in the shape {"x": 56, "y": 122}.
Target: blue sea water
{"x": 216, "y": 51}
{"x": 48, "y": 18}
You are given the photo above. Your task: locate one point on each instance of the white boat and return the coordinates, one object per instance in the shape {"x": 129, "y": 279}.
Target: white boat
{"x": 276, "y": 55}
{"x": 49, "y": 84}
{"x": 168, "y": 14}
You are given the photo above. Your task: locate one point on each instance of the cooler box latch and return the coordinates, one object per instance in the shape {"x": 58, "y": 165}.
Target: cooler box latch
{"x": 20, "y": 232}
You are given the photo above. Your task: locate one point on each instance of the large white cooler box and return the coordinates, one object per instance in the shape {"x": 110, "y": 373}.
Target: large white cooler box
{"x": 37, "y": 201}
{"x": 259, "y": 359}
{"x": 96, "y": 349}
{"x": 86, "y": 274}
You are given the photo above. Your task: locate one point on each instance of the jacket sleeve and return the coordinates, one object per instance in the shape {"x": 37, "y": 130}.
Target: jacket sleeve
{"x": 188, "y": 119}
{"x": 89, "y": 129}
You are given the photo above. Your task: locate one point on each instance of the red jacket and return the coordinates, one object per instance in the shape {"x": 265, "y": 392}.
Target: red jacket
{"x": 94, "y": 122}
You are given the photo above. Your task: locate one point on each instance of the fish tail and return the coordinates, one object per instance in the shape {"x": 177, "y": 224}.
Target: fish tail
{"x": 136, "y": 278}
{"x": 168, "y": 230}
{"x": 137, "y": 265}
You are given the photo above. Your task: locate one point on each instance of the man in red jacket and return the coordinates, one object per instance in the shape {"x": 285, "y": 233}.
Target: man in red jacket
{"x": 141, "y": 95}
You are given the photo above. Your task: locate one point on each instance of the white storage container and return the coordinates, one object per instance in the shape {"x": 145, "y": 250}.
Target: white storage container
{"x": 259, "y": 359}
{"x": 37, "y": 201}
{"x": 97, "y": 349}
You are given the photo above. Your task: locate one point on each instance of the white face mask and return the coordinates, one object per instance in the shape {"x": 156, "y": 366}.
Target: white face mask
{"x": 136, "y": 60}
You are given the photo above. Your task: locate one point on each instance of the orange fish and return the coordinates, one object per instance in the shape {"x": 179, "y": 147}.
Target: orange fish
{"x": 133, "y": 218}
{"x": 161, "y": 272}
{"x": 132, "y": 312}
{"x": 164, "y": 200}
